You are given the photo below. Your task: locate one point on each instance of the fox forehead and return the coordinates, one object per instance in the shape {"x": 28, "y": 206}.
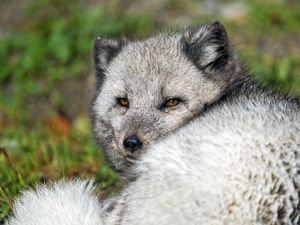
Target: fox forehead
{"x": 157, "y": 63}
{"x": 158, "y": 54}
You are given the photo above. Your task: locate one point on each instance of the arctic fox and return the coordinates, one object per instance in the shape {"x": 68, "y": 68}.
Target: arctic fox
{"x": 148, "y": 89}
{"x": 232, "y": 157}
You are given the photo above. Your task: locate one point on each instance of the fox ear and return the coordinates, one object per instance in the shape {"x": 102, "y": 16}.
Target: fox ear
{"x": 105, "y": 50}
{"x": 207, "y": 46}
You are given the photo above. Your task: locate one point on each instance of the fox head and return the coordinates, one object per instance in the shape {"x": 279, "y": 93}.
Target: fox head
{"x": 147, "y": 89}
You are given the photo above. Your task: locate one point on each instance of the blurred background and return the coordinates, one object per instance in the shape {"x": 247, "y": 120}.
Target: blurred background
{"x": 46, "y": 73}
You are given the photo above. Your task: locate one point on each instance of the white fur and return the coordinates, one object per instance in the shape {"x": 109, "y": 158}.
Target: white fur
{"x": 226, "y": 167}
{"x": 63, "y": 203}
{"x": 201, "y": 174}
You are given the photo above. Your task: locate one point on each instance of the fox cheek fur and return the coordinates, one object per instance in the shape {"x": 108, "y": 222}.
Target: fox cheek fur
{"x": 196, "y": 66}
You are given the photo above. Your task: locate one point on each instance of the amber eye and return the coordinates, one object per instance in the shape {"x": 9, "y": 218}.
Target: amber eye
{"x": 123, "y": 102}
{"x": 172, "y": 102}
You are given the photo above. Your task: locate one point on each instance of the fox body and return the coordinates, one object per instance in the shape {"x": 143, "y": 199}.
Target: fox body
{"x": 241, "y": 169}
{"x": 227, "y": 153}
{"x": 236, "y": 164}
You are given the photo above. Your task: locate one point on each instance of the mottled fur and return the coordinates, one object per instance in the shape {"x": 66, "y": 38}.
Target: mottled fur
{"x": 239, "y": 163}
{"x": 197, "y": 66}
{"x": 234, "y": 160}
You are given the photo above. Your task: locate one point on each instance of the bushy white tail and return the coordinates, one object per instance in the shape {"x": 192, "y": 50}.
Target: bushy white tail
{"x": 63, "y": 203}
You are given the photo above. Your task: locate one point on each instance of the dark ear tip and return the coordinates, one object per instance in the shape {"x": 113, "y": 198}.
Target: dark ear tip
{"x": 195, "y": 33}
{"x": 217, "y": 23}
{"x": 208, "y": 26}
{"x": 108, "y": 42}
{"x": 218, "y": 27}
{"x": 104, "y": 44}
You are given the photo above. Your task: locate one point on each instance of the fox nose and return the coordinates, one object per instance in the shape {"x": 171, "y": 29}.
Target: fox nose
{"x": 132, "y": 143}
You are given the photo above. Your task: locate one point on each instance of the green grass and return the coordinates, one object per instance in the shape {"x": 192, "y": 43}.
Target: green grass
{"x": 45, "y": 154}
{"x": 53, "y": 46}
{"x": 46, "y": 64}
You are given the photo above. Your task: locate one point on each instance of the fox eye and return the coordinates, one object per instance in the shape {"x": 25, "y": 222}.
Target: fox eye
{"x": 172, "y": 102}
{"x": 124, "y": 102}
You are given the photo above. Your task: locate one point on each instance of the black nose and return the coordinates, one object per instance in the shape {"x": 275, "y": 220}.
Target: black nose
{"x": 132, "y": 143}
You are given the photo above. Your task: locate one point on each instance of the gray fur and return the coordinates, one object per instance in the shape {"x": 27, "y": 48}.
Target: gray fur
{"x": 197, "y": 66}
{"x": 234, "y": 161}
{"x": 239, "y": 163}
